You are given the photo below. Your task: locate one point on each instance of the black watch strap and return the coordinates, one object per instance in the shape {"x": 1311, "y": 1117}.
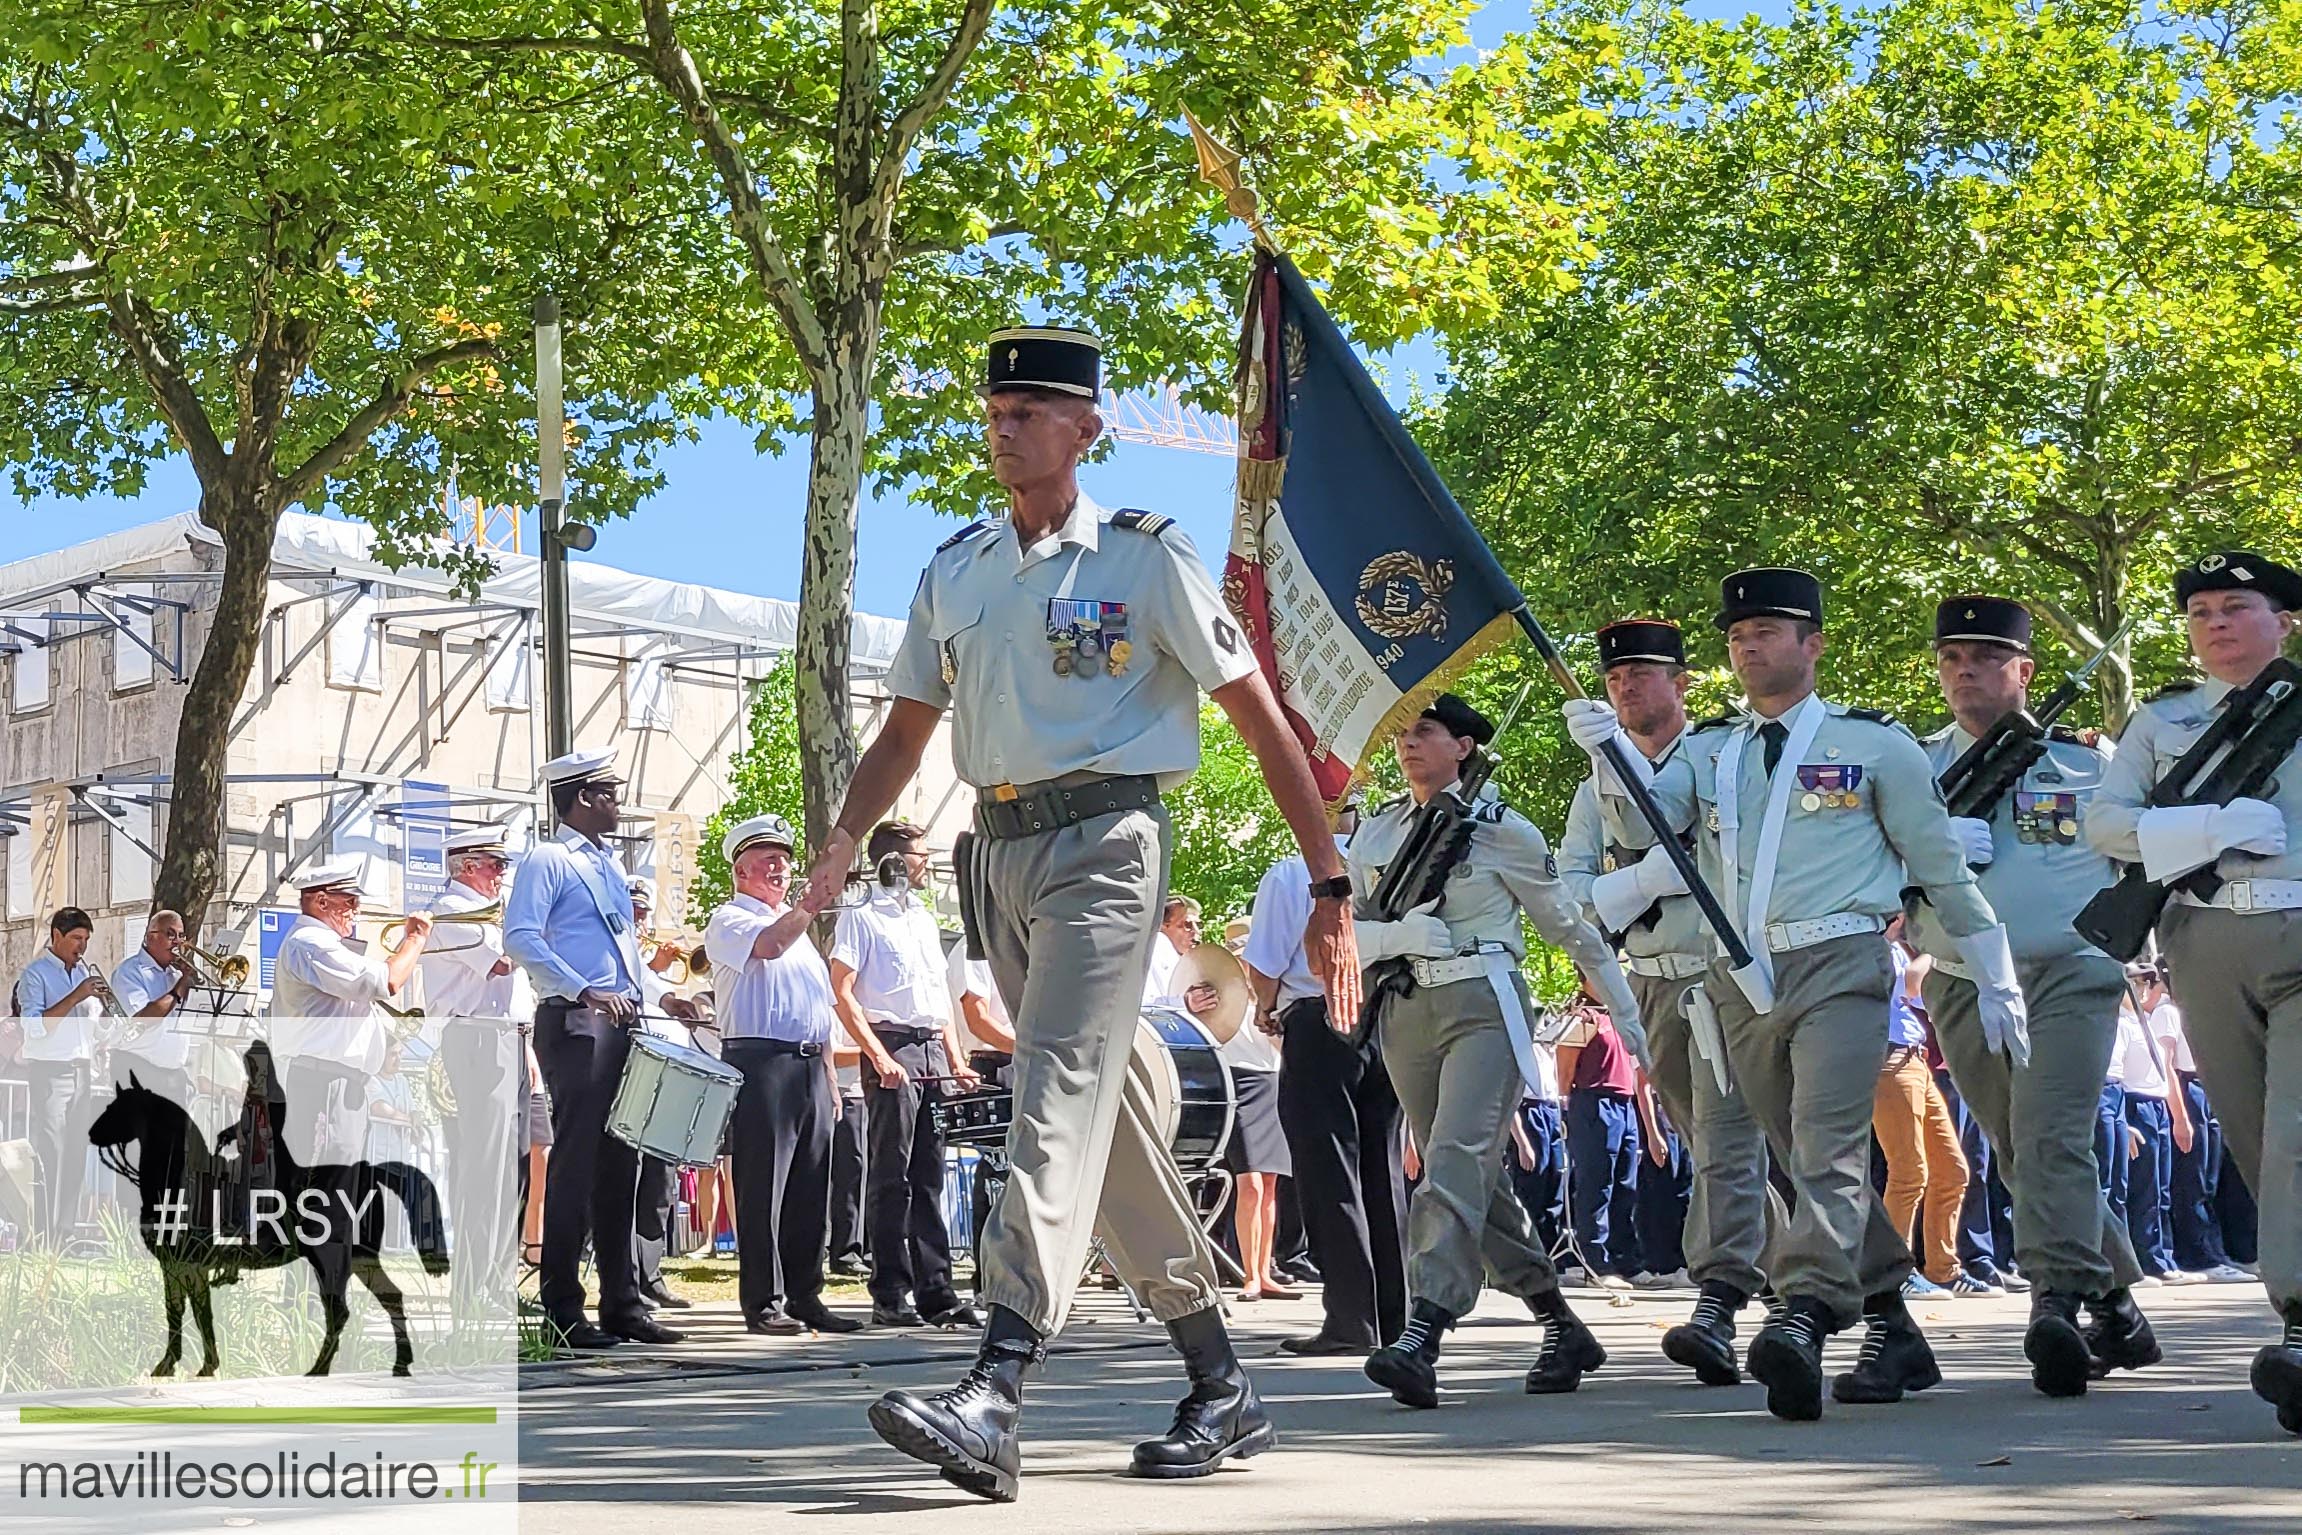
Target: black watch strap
{"x": 1336, "y": 889}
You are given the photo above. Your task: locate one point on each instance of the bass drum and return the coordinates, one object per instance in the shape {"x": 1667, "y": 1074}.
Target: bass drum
{"x": 1189, "y": 1087}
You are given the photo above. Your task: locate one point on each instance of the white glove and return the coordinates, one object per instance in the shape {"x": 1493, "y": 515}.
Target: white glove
{"x": 1417, "y": 935}
{"x": 1592, "y": 723}
{"x": 2005, "y": 1016}
{"x": 1973, "y": 840}
{"x": 2179, "y": 838}
{"x": 1621, "y": 896}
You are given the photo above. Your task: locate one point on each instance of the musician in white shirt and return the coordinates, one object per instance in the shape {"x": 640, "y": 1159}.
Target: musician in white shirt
{"x": 59, "y": 999}
{"x": 152, "y": 985}
{"x": 326, "y": 1031}
{"x": 480, "y": 1001}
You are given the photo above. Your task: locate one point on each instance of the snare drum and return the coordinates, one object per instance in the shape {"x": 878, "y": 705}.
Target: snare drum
{"x": 1182, "y": 1072}
{"x": 674, "y": 1101}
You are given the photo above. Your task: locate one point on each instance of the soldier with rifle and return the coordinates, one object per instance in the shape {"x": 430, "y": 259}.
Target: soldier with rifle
{"x": 2205, "y": 798}
{"x": 2020, "y": 790}
{"x": 1450, "y": 868}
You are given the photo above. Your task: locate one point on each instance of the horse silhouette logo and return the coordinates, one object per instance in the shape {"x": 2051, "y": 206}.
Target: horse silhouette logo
{"x": 206, "y": 1214}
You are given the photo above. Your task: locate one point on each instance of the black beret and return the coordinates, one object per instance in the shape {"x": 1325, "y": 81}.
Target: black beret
{"x": 2236, "y": 570}
{"x": 1771, "y": 591}
{"x": 1641, "y": 639}
{"x": 1043, "y": 357}
{"x": 1997, "y": 620}
{"x": 1460, "y": 718}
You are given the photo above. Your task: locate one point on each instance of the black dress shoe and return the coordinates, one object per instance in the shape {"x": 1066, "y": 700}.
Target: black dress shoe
{"x": 1786, "y": 1357}
{"x": 643, "y": 1329}
{"x": 821, "y": 1317}
{"x": 1704, "y": 1342}
{"x": 1895, "y": 1360}
{"x": 1220, "y": 1419}
{"x": 1320, "y": 1345}
{"x": 851, "y": 1268}
{"x": 958, "y": 1315}
{"x": 896, "y": 1316}
{"x": 2055, "y": 1345}
{"x": 1301, "y": 1269}
{"x": 663, "y": 1295}
{"x": 1570, "y": 1351}
{"x": 2120, "y": 1338}
{"x": 968, "y": 1432}
{"x": 2276, "y": 1375}
{"x": 775, "y": 1325}
{"x": 1409, "y": 1368}
{"x": 580, "y": 1334}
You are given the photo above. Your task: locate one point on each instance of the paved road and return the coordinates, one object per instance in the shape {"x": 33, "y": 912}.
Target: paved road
{"x": 737, "y": 1434}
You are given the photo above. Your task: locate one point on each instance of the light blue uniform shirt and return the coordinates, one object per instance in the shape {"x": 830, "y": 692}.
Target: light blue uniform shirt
{"x": 553, "y": 925}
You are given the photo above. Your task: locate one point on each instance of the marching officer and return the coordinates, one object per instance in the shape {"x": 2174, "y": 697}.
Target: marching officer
{"x": 1071, "y": 645}
{"x": 1813, "y": 818}
{"x": 1608, "y": 860}
{"x": 2234, "y": 960}
{"x": 2036, "y": 870}
{"x": 1459, "y": 1052}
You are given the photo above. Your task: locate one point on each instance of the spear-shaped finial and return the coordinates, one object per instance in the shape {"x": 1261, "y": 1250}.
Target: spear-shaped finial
{"x": 1219, "y": 166}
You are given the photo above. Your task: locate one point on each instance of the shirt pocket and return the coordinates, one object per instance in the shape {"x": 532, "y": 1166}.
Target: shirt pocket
{"x": 958, "y": 635}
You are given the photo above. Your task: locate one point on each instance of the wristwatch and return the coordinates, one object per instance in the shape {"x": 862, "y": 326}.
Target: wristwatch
{"x": 1336, "y": 889}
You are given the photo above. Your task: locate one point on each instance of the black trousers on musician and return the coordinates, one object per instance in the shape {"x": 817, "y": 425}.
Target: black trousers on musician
{"x": 910, "y": 1245}
{"x": 651, "y": 1219}
{"x": 850, "y": 1156}
{"x": 591, "y": 1179}
{"x": 782, "y": 1163}
{"x": 1342, "y": 1125}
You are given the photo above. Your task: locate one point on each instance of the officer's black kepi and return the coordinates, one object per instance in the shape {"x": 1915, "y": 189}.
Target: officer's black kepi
{"x": 1641, "y": 639}
{"x": 1044, "y": 357}
{"x": 2238, "y": 570}
{"x": 1771, "y": 591}
{"x": 1995, "y": 620}
{"x": 1460, "y": 718}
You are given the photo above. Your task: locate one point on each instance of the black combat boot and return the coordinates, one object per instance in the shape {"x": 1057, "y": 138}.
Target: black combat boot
{"x": 1895, "y": 1357}
{"x": 968, "y": 1432}
{"x": 1408, "y": 1368}
{"x": 1570, "y": 1349}
{"x": 2120, "y": 1338}
{"x": 2055, "y": 1345}
{"x": 1786, "y": 1358}
{"x": 1220, "y": 1418}
{"x": 2277, "y": 1373}
{"x": 1704, "y": 1342}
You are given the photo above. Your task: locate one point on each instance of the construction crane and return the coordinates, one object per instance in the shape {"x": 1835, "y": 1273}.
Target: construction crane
{"x": 1160, "y": 417}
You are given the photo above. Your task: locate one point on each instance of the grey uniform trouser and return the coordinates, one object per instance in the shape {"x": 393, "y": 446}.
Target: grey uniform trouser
{"x": 1734, "y": 1212}
{"x": 1450, "y": 1061}
{"x": 1809, "y": 1071}
{"x": 1068, "y": 917}
{"x": 2041, "y": 1119}
{"x": 2238, "y": 979}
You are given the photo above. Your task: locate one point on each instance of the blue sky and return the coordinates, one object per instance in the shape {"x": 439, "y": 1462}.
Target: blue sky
{"x": 730, "y": 512}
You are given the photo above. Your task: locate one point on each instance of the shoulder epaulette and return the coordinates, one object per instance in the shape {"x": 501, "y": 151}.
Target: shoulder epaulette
{"x": 1387, "y": 806}
{"x": 1153, "y": 523}
{"x": 965, "y": 533}
{"x": 1875, "y": 716}
{"x": 2086, "y": 737}
{"x": 1715, "y": 722}
{"x": 1491, "y": 811}
{"x": 2185, "y": 685}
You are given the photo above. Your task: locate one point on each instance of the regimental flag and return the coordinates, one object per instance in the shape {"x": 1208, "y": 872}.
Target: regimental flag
{"x": 1362, "y": 586}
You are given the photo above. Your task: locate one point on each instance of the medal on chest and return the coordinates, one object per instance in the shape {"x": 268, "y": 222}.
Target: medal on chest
{"x": 1829, "y": 785}
{"x": 1088, "y": 636}
{"x": 2046, "y": 819}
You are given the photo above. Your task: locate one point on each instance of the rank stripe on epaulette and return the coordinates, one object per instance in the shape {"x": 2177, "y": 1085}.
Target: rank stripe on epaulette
{"x": 967, "y": 532}
{"x": 1153, "y": 523}
{"x": 1715, "y": 722}
{"x": 1875, "y": 716}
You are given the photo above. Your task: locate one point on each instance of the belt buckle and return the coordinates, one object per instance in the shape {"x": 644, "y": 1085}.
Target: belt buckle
{"x": 1778, "y": 937}
{"x": 2241, "y": 893}
{"x": 1003, "y": 793}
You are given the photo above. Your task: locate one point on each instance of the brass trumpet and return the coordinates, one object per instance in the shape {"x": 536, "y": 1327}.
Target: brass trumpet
{"x": 492, "y": 912}
{"x": 686, "y": 965}
{"x": 228, "y": 970}
{"x": 407, "y": 1022}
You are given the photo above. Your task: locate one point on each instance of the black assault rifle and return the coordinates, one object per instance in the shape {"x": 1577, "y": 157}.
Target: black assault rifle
{"x": 1438, "y": 835}
{"x": 2260, "y": 724}
{"x": 1974, "y": 784}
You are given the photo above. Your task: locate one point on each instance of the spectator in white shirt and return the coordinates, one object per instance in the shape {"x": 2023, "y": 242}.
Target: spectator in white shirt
{"x": 2158, "y": 1122}
{"x": 59, "y": 999}
{"x": 1256, "y": 1156}
{"x": 152, "y": 984}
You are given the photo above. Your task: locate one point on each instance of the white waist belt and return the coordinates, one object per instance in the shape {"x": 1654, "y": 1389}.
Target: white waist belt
{"x": 2253, "y": 895}
{"x": 1445, "y": 972}
{"x": 1668, "y": 967}
{"x": 1783, "y": 937}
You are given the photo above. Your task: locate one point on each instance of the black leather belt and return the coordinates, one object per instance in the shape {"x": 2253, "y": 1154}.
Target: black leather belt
{"x": 905, "y": 1034}
{"x": 774, "y": 1047}
{"x": 1007, "y": 811}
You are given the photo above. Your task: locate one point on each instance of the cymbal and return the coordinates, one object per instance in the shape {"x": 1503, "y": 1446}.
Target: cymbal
{"x": 1218, "y": 967}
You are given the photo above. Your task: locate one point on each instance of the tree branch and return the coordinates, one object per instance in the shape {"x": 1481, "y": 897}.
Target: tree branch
{"x": 908, "y": 123}
{"x": 68, "y": 304}
{"x": 371, "y": 417}
{"x": 48, "y": 282}
{"x": 670, "y": 62}
{"x": 612, "y": 47}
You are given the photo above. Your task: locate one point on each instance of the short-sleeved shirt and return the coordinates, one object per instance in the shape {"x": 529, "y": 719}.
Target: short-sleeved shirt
{"x": 325, "y": 988}
{"x": 896, "y": 951}
{"x": 1905, "y": 1021}
{"x": 787, "y": 997}
{"x": 44, "y": 983}
{"x": 1604, "y": 1065}
{"x": 2134, "y": 1064}
{"x": 1282, "y": 915}
{"x": 1159, "y": 973}
{"x": 1132, "y": 617}
{"x": 138, "y": 981}
{"x": 972, "y": 978}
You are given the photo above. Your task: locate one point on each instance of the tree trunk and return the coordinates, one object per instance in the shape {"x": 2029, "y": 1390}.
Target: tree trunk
{"x": 839, "y": 428}
{"x": 192, "y": 859}
{"x": 2114, "y": 679}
